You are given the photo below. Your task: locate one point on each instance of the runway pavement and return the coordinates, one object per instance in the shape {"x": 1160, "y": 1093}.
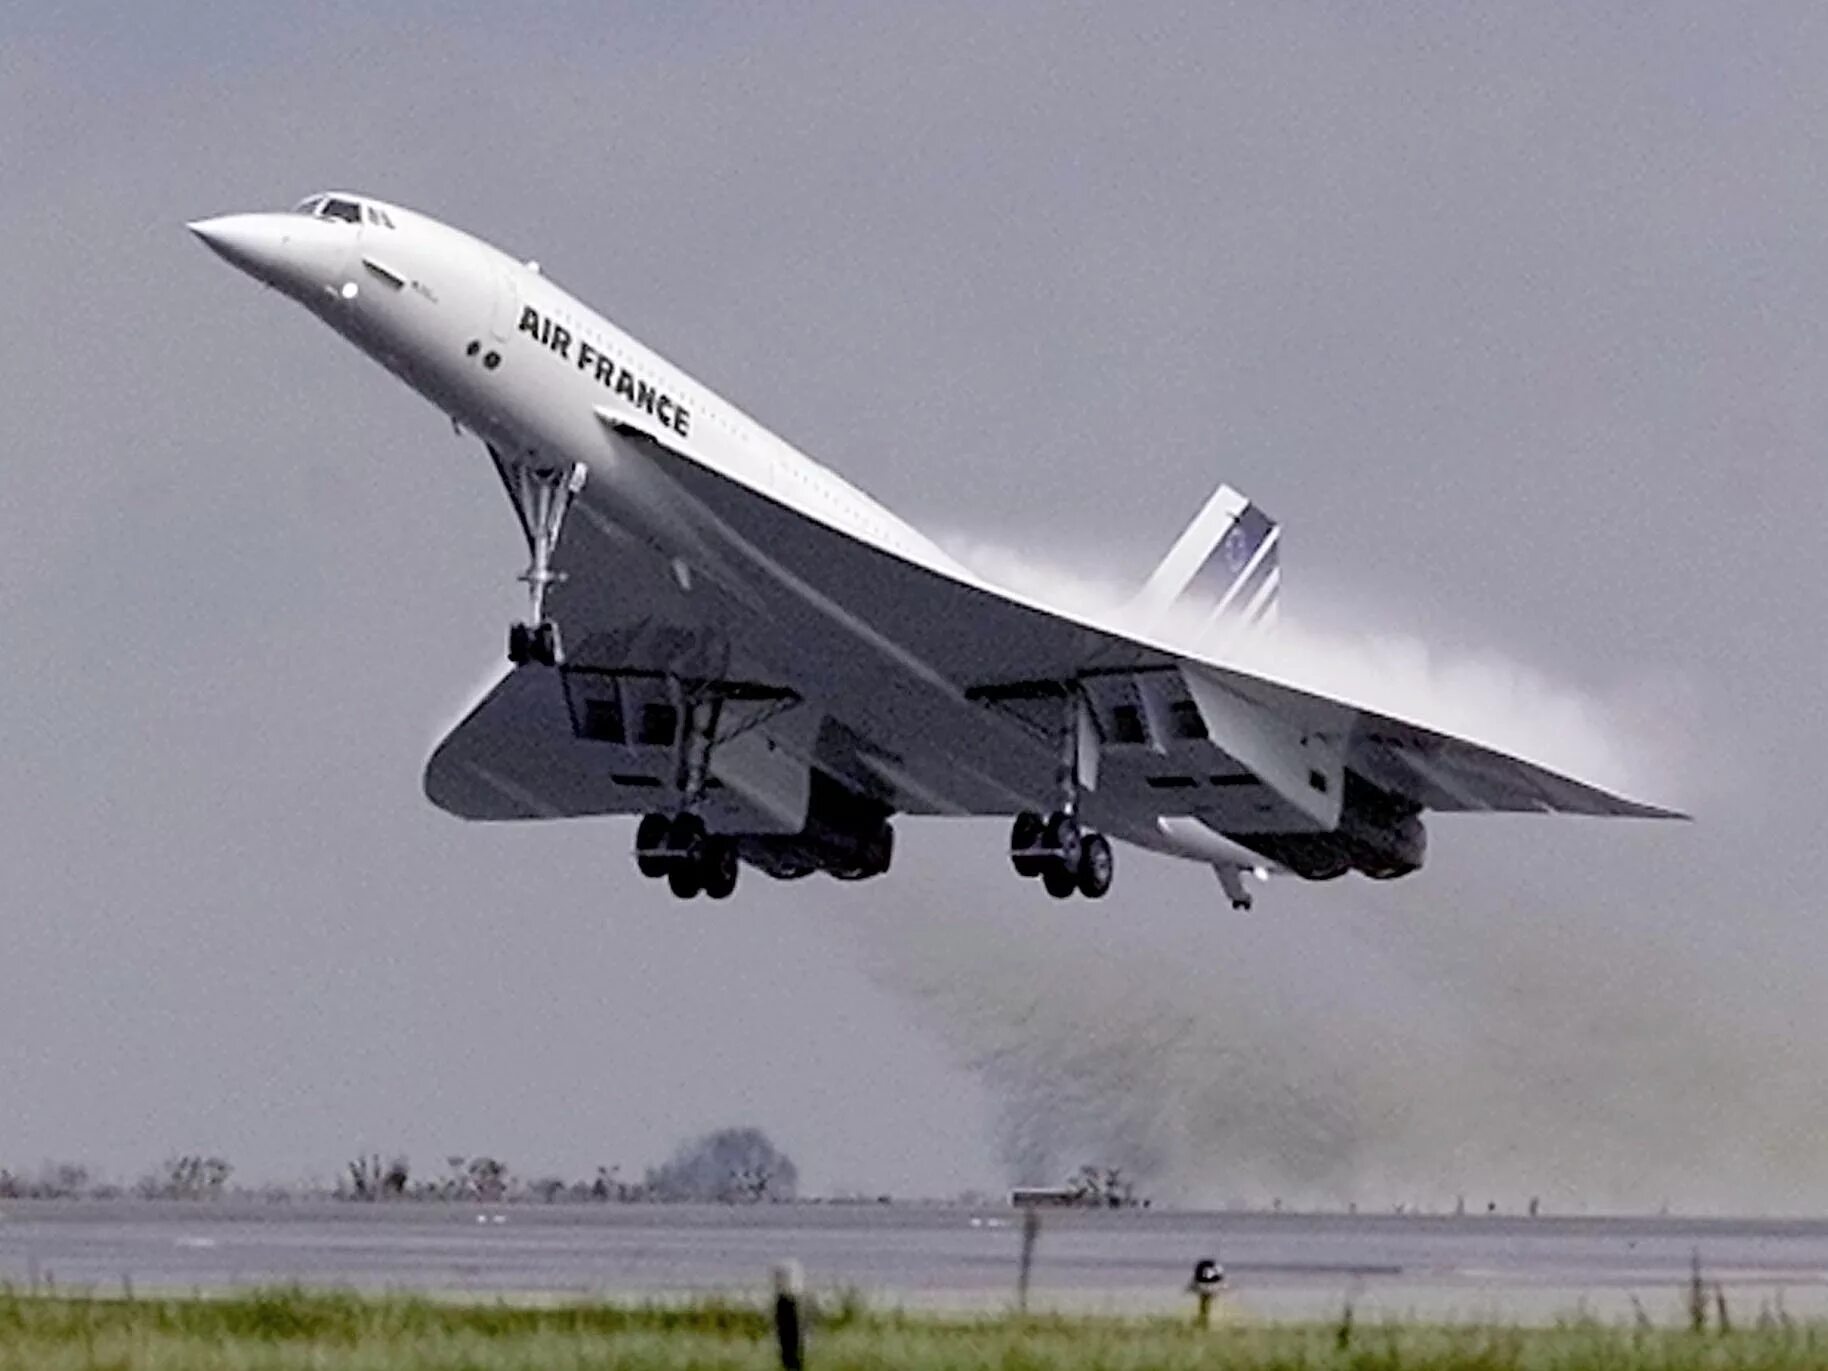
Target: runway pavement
{"x": 928, "y": 1256}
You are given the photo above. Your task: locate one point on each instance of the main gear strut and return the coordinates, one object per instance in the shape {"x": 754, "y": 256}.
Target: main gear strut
{"x": 1066, "y": 856}
{"x": 678, "y": 846}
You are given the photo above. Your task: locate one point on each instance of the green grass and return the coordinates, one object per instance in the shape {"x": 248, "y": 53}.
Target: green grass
{"x": 339, "y": 1332}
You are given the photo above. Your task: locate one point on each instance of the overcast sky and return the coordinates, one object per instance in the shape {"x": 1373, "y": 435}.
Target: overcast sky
{"x": 1513, "y": 315}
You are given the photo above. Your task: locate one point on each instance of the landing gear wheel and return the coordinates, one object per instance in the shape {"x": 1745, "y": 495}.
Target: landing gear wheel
{"x": 1062, "y": 839}
{"x": 1060, "y": 881}
{"x": 720, "y": 868}
{"x": 685, "y": 880}
{"x": 685, "y": 841}
{"x": 1024, "y": 837}
{"x": 533, "y": 643}
{"x": 1097, "y": 866}
{"x": 650, "y": 845}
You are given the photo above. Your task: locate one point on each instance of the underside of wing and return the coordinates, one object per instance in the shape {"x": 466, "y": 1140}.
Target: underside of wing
{"x": 515, "y": 756}
{"x": 1177, "y": 734}
{"x": 588, "y": 738}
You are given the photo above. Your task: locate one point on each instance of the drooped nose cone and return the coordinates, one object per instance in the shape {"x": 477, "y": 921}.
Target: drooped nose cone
{"x": 302, "y": 256}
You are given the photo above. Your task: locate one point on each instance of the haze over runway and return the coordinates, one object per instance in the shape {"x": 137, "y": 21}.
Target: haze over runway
{"x": 1513, "y": 322}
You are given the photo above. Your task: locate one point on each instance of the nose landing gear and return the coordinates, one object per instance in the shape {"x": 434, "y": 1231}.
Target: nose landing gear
{"x": 542, "y": 498}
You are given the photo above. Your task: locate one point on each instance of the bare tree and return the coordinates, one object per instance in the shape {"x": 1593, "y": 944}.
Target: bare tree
{"x": 369, "y": 1180}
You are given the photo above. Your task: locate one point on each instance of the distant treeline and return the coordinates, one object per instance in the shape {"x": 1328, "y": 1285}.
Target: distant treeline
{"x": 176, "y": 1178}
{"x": 725, "y": 1166}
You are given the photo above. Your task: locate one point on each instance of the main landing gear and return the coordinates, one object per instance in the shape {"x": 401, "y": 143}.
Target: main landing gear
{"x": 691, "y": 860}
{"x": 678, "y": 847}
{"x": 1066, "y": 856}
{"x": 542, "y": 498}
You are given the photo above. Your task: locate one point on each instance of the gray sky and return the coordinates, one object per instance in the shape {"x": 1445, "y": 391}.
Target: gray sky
{"x": 1513, "y": 317}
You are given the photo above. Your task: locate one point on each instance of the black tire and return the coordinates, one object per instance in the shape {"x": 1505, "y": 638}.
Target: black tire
{"x": 650, "y": 845}
{"x": 685, "y": 880}
{"x": 546, "y": 644}
{"x": 1024, "y": 836}
{"x": 720, "y": 868}
{"x": 518, "y": 647}
{"x": 1097, "y": 866}
{"x": 686, "y": 838}
{"x": 1060, "y": 881}
{"x": 1062, "y": 839}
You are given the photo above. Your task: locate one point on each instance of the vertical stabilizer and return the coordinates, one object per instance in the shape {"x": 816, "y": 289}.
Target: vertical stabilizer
{"x": 1222, "y": 574}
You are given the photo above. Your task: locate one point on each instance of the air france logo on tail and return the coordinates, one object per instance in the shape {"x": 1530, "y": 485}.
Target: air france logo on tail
{"x": 1224, "y": 572}
{"x": 640, "y": 394}
{"x": 1240, "y": 580}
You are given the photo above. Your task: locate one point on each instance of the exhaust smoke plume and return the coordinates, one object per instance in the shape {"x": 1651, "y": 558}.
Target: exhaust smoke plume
{"x": 1351, "y": 1043}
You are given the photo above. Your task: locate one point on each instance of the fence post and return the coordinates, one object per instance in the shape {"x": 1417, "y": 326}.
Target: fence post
{"x": 1697, "y": 1295}
{"x": 789, "y": 1285}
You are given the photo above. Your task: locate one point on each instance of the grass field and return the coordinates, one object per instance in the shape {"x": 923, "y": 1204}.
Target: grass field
{"x": 334, "y": 1332}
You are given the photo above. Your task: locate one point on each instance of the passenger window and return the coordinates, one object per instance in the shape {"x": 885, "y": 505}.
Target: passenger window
{"x": 342, "y": 209}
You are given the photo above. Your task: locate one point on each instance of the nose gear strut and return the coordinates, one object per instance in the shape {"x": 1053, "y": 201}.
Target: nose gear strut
{"x": 542, "y": 497}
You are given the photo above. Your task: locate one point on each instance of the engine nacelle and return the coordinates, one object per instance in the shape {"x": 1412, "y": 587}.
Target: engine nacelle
{"x": 846, "y": 834}
{"x": 1378, "y": 835}
{"x": 1382, "y": 834}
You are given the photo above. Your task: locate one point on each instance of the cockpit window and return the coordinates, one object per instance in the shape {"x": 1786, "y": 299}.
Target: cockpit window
{"x": 336, "y": 207}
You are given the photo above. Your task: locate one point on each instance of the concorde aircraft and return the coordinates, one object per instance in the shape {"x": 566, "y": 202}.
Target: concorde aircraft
{"x": 769, "y": 667}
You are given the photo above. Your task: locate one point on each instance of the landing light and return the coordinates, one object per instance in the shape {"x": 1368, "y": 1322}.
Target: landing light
{"x": 349, "y": 290}
{"x": 1260, "y": 872}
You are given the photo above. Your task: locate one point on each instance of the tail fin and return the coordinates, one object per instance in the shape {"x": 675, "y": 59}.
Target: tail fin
{"x": 1224, "y": 572}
